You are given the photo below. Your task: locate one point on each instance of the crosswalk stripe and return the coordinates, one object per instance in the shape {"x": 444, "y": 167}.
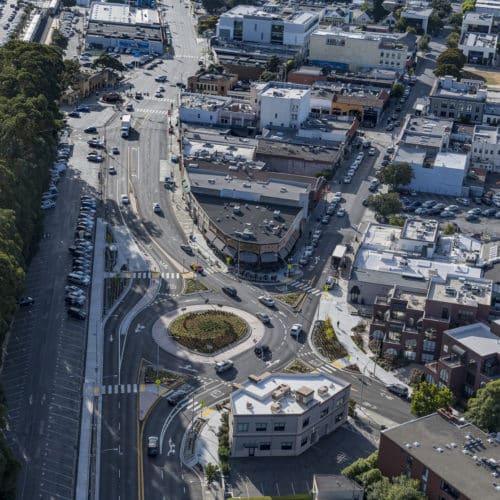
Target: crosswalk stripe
{"x": 328, "y": 368}
{"x": 115, "y": 389}
{"x": 134, "y": 388}
{"x": 316, "y": 292}
{"x": 122, "y": 389}
{"x": 128, "y": 388}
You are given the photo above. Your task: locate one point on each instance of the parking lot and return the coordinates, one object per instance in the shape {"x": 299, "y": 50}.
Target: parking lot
{"x": 10, "y": 16}
{"x": 254, "y": 477}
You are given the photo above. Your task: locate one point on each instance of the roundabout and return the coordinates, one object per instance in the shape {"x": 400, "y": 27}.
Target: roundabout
{"x": 207, "y": 333}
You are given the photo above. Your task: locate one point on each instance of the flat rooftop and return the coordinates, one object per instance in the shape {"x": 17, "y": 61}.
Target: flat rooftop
{"x": 380, "y": 253}
{"x": 455, "y": 161}
{"x": 450, "y": 452}
{"x": 461, "y": 290}
{"x": 257, "y": 218}
{"x": 477, "y": 338}
{"x": 285, "y": 93}
{"x": 255, "y": 398}
{"x": 483, "y": 133}
{"x": 477, "y": 18}
{"x": 420, "y": 230}
{"x": 296, "y": 17}
{"x": 277, "y": 146}
{"x": 426, "y": 131}
{"x": 479, "y": 40}
{"x": 413, "y": 156}
{"x": 118, "y": 13}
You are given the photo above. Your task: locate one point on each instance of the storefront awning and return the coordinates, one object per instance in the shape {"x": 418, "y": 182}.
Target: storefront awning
{"x": 290, "y": 244}
{"x": 230, "y": 251}
{"x": 219, "y": 244}
{"x": 249, "y": 257}
{"x": 269, "y": 257}
{"x": 209, "y": 236}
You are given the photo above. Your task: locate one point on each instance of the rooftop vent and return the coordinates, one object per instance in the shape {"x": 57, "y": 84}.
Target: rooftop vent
{"x": 276, "y": 407}
{"x": 304, "y": 395}
{"x": 323, "y": 390}
{"x": 249, "y": 405}
{"x": 281, "y": 391}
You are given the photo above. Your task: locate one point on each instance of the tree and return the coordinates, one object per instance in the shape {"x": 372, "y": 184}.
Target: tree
{"x": 435, "y": 23}
{"x": 268, "y": 76}
{"x": 397, "y": 90}
{"x": 385, "y": 204}
{"x": 483, "y": 410}
{"x": 378, "y": 10}
{"x": 456, "y": 21}
{"x": 411, "y": 29}
{"x": 211, "y": 472}
{"x": 107, "y": 61}
{"x": 273, "y": 64}
{"x": 401, "y": 488}
{"x": 443, "y": 7}
{"x": 449, "y": 229}
{"x": 59, "y": 39}
{"x": 395, "y": 175}
{"x": 401, "y": 24}
{"x": 427, "y": 398}
{"x": 468, "y": 5}
{"x": 329, "y": 330}
{"x": 360, "y": 466}
{"x": 72, "y": 71}
{"x": 450, "y": 62}
{"x": 423, "y": 43}
{"x": 68, "y": 3}
{"x": 452, "y": 40}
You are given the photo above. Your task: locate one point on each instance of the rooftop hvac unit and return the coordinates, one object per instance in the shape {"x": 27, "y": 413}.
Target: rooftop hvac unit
{"x": 277, "y": 214}
{"x": 236, "y": 209}
{"x": 276, "y": 407}
{"x": 249, "y": 405}
{"x": 281, "y": 391}
{"x": 323, "y": 390}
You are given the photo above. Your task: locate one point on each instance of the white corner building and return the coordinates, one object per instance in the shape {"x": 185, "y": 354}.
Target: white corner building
{"x": 278, "y": 414}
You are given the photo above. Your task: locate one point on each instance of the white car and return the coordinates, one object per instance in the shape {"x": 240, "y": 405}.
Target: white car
{"x": 330, "y": 282}
{"x": 360, "y": 157}
{"x": 463, "y": 201}
{"x": 347, "y": 179}
{"x": 223, "y": 366}
{"x": 125, "y": 199}
{"x": 264, "y": 317}
{"x": 266, "y": 300}
{"x": 341, "y": 212}
{"x": 372, "y": 151}
{"x": 296, "y": 330}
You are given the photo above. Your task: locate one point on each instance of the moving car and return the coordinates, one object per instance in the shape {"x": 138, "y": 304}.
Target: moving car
{"x": 197, "y": 268}
{"x": 264, "y": 317}
{"x": 125, "y": 199}
{"x": 398, "y": 389}
{"x": 156, "y": 208}
{"x": 330, "y": 282}
{"x": 115, "y": 151}
{"x": 262, "y": 351}
{"x": 90, "y": 130}
{"x": 26, "y": 301}
{"x": 112, "y": 170}
{"x": 266, "y": 300}
{"x": 188, "y": 249}
{"x": 296, "y": 330}
{"x": 230, "y": 290}
{"x": 176, "y": 397}
{"x": 223, "y": 366}
{"x": 153, "y": 446}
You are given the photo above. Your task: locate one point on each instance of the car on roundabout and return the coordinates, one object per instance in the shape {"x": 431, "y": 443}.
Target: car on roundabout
{"x": 262, "y": 351}
{"x": 264, "y": 317}
{"x": 223, "y": 366}
{"x": 267, "y": 300}
{"x": 296, "y": 330}
{"x": 176, "y": 397}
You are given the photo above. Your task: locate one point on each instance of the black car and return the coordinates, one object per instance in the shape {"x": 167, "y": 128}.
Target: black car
{"x": 176, "y": 397}
{"x": 188, "y": 249}
{"x": 90, "y": 130}
{"x": 26, "y": 301}
{"x": 77, "y": 313}
{"x": 230, "y": 290}
{"x": 74, "y": 114}
{"x": 262, "y": 351}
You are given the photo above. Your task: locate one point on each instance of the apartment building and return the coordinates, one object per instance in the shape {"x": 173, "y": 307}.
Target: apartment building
{"x": 461, "y": 101}
{"x": 475, "y": 22}
{"x": 267, "y": 26}
{"x": 451, "y": 459}
{"x": 479, "y": 48}
{"x": 486, "y": 147}
{"x": 355, "y": 50}
{"x": 411, "y": 325}
{"x": 417, "y": 16}
{"x": 469, "y": 358}
{"x": 277, "y": 414}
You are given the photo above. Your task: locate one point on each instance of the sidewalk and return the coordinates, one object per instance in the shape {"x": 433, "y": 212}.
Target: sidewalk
{"x": 162, "y": 337}
{"x": 129, "y": 253}
{"x": 335, "y": 305}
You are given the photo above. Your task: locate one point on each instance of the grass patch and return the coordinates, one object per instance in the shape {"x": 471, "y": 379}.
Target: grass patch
{"x": 191, "y": 286}
{"x": 166, "y": 378}
{"x": 290, "y": 298}
{"x": 490, "y": 77}
{"x": 208, "y": 331}
{"x": 357, "y": 338}
{"x": 326, "y": 341}
{"x": 297, "y": 367}
{"x": 353, "y": 368}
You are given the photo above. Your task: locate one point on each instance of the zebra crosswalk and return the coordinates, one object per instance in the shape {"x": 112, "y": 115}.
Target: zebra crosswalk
{"x": 162, "y": 112}
{"x": 146, "y": 275}
{"x": 120, "y": 389}
{"x": 304, "y": 287}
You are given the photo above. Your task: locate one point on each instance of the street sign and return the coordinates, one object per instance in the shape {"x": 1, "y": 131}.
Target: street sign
{"x": 158, "y": 382}
{"x": 290, "y": 266}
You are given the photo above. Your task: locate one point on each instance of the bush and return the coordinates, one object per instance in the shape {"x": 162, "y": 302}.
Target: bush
{"x": 224, "y": 453}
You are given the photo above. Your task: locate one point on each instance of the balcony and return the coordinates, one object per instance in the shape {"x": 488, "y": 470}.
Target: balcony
{"x": 451, "y": 361}
{"x": 432, "y": 366}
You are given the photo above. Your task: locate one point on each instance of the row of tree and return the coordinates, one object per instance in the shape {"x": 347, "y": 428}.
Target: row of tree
{"x": 30, "y": 87}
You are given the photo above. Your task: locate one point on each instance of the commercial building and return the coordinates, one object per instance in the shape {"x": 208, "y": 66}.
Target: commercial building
{"x": 385, "y": 258}
{"x": 486, "y": 147}
{"x": 475, "y": 22}
{"x": 214, "y": 110}
{"x": 488, "y": 7}
{"x": 211, "y": 82}
{"x": 356, "y": 50}
{"x": 479, "y": 48}
{"x": 282, "y": 105}
{"x": 425, "y": 133}
{"x": 87, "y": 83}
{"x": 411, "y": 325}
{"x": 277, "y": 415}
{"x": 449, "y": 457}
{"x": 267, "y": 26}
{"x": 469, "y": 359}
{"x": 462, "y": 101}
{"x": 117, "y": 25}
{"x": 417, "y": 16}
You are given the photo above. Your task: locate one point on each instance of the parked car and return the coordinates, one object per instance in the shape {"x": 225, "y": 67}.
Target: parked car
{"x": 188, "y": 249}
{"x": 90, "y": 130}
{"x": 176, "y": 397}
{"x": 153, "y": 446}
{"x": 77, "y": 313}
{"x": 230, "y": 290}
{"x": 26, "y": 301}
{"x": 398, "y": 389}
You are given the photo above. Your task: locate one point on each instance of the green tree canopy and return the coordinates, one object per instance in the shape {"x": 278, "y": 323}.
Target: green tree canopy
{"x": 385, "y": 204}
{"x": 378, "y": 10}
{"x": 268, "y": 76}
{"x": 468, "y": 5}
{"x": 107, "y": 61}
{"x": 435, "y": 23}
{"x": 483, "y": 410}
{"x": 452, "y": 40}
{"x": 401, "y": 488}
{"x": 443, "y": 7}
{"x": 456, "y": 21}
{"x": 450, "y": 62}
{"x": 273, "y": 64}
{"x": 395, "y": 175}
{"x": 397, "y": 90}
{"x": 59, "y": 39}
{"x": 427, "y": 398}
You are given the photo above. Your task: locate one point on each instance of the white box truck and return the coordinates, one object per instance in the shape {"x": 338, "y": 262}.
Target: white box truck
{"x": 126, "y": 122}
